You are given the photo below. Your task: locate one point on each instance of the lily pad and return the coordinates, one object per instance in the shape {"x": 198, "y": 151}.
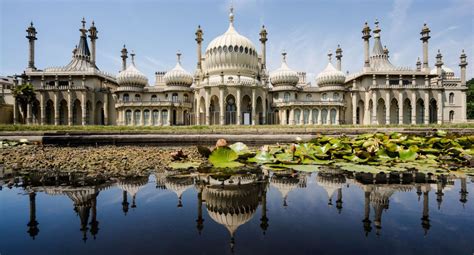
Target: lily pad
{"x": 224, "y": 157}
{"x": 240, "y": 148}
{"x": 184, "y": 165}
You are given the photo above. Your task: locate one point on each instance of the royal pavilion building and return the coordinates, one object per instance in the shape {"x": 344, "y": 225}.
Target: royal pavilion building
{"x": 231, "y": 85}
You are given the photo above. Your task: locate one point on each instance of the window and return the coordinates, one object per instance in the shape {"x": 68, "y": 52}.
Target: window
{"x": 174, "y": 97}
{"x": 451, "y": 98}
{"x": 451, "y": 116}
{"x": 305, "y": 116}
{"x": 275, "y": 96}
{"x": 137, "y": 116}
{"x": 128, "y": 117}
{"x": 308, "y": 96}
{"x": 186, "y": 98}
{"x": 164, "y": 117}
{"x": 146, "y": 117}
{"x": 335, "y": 96}
{"x": 325, "y": 96}
{"x": 137, "y": 97}
{"x": 315, "y": 116}
{"x": 287, "y": 97}
{"x": 154, "y": 98}
{"x": 126, "y": 97}
{"x": 297, "y": 116}
{"x": 154, "y": 117}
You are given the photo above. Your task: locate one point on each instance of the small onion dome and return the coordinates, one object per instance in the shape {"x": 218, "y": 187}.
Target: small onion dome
{"x": 132, "y": 76}
{"x": 444, "y": 70}
{"x": 177, "y": 75}
{"x": 330, "y": 75}
{"x": 284, "y": 75}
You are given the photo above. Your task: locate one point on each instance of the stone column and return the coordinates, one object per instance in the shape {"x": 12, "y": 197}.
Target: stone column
{"x": 83, "y": 105}
{"x": 106, "y": 109}
{"x": 208, "y": 104}
{"x": 374, "y": 108}
{"x": 354, "y": 109}
{"x": 400, "y": 108}
{"x": 463, "y": 107}
{"x": 367, "y": 119}
{"x": 337, "y": 116}
{"x": 198, "y": 109}
{"x": 29, "y": 116}
{"x": 56, "y": 108}
{"x": 427, "y": 108}
{"x": 42, "y": 109}
{"x": 15, "y": 112}
{"x": 254, "y": 101}
{"x": 292, "y": 116}
{"x": 239, "y": 103}
{"x": 413, "y": 108}
{"x": 440, "y": 109}
{"x": 124, "y": 118}
{"x": 69, "y": 108}
{"x": 387, "y": 107}
{"x": 221, "y": 106}
{"x": 320, "y": 114}
{"x": 133, "y": 117}
{"x": 310, "y": 119}
{"x": 169, "y": 117}
{"x": 264, "y": 104}
{"x": 159, "y": 118}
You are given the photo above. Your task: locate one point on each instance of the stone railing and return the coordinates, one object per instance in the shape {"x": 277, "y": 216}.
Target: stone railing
{"x": 150, "y": 103}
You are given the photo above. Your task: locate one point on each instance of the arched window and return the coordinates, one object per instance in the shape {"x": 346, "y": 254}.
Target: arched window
{"x": 275, "y": 96}
{"x": 146, "y": 117}
{"x": 128, "y": 117}
{"x": 154, "y": 117}
{"x": 186, "y": 98}
{"x": 451, "y": 98}
{"x": 324, "y": 96}
{"x": 137, "y": 116}
{"x": 126, "y": 97}
{"x": 287, "y": 97}
{"x": 154, "y": 98}
{"x": 308, "y": 97}
{"x": 137, "y": 97}
{"x": 174, "y": 97}
{"x": 451, "y": 116}
{"x": 297, "y": 116}
{"x": 335, "y": 96}
{"x": 305, "y": 116}
{"x": 333, "y": 116}
{"x": 315, "y": 113}
{"x": 324, "y": 116}
{"x": 164, "y": 117}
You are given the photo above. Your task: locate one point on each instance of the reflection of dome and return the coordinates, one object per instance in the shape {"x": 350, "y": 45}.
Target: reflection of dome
{"x": 233, "y": 205}
{"x": 448, "y": 72}
{"x": 285, "y": 184}
{"x": 331, "y": 182}
{"x": 330, "y": 75}
{"x": 178, "y": 76}
{"x": 132, "y": 76}
{"x": 178, "y": 185}
{"x": 132, "y": 186}
{"x": 231, "y": 52}
{"x": 284, "y": 75}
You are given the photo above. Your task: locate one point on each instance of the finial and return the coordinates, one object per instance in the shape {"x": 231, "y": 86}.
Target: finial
{"x": 376, "y": 22}
{"x": 178, "y": 54}
{"x": 83, "y": 22}
{"x": 231, "y": 14}
{"x": 93, "y": 23}
{"x": 283, "y": 55}
{"x": 329, "y": 56}
{"x": 133, "y": 56}
{"x": 31, "y": 23}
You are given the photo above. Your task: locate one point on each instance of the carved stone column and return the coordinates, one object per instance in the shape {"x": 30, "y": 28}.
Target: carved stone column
{"x": 239, "y": 106}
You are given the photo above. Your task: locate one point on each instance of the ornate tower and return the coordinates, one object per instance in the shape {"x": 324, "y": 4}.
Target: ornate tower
{"x": 199, "y": 40}
{"x": 93, "y": 36}
{"x": 263, "y": 39}
{"x": 439, "y": 63}
{"x": 463, "y": 65}
{"x": 31, "y": 36}
{"x": 425, "y": 36}
{"x": 366, "y": 36}
{"x": 124, "y": 57}
{"x": 338, "y": 57}
{"x": 418, "y": 64}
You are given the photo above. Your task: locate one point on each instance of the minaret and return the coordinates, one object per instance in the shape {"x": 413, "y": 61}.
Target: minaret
{"x": 264, "y": 219}
{"x": 31, "y": 36}
{"x": 439, "y": 63}
{"x": 439, "y": 193}
{"x": 463, "y": 65}
{"x": 200, "y": 220}
{"x": 94, "y": 223}
{"x": 339, "y": 200}
{"x": 93, "y": 36}
{"x": 418, "y": 65}
{"x": 263, "y": 40}
{"x": 425, "y": 219}
{"x": 366, "y": 220}
{"x": 385, "y": 51}
{"x": 338, "y": 57}
{"x": 425, "y": 36}
{"x": 124, "y": 57}
{"x": 199, "y": 40}
{"x": 125, "y": 203}
{"x": 463, "y": 191}
{"x": 366, "y": 36}
{"x": 33, "y": 229}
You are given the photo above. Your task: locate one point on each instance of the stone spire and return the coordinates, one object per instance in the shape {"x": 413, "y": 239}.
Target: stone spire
{"x": 199, "y": 40}
{"x": 366, "y": 36}
{"x": 339, "y": 57}
{"x": 418, "y": 64}
{"x": 31, "y": 36}
{"x": 463, "y": 64}
{"x": 425, "y": 36}
{"x": 93, "y": 36}
{"x": 263, "y": 39}
{"x": 124, "y": 57}
{"x": 439, "y": 63}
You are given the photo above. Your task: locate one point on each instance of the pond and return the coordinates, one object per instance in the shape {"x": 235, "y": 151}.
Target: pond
{"x": 328, "y": 211}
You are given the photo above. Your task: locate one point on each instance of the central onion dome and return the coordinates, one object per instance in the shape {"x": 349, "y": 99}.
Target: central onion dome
{"x": 330, "y": 75}
{"x": 231, "y": 53}
{"x": 448, "y": 72}
{"x": 132, "y": 76}
{"x": 178, "y": 76}
{"x": 284, "y": 75}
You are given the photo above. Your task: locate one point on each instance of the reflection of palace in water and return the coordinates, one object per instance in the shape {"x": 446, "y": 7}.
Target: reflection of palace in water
{"x": 233, "y": 200}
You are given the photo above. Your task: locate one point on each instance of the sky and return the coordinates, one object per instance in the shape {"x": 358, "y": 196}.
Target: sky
{"x": 306, "y": 29}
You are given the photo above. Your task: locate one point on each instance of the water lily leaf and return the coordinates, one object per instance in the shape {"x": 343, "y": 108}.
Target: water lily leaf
{"x": 441, "y": 133}
{"x": 392, "y": 147}
{"x": 395, "y": 135}
{"x": 286, "y": 157}
{"x": 408, "y": 155}
{"x": 240, "y": 148}
{"x": 316, "y": 161}
{"x": 224, "y": 157}
{"x": 354, "y": 158}
{"x": 354, "y": 167}
{"x": 262, "y": 157}
{"x": 184, "y": 165}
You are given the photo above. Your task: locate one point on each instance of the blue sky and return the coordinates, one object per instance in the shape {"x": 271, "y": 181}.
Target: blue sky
{"x": 306, "y": 29}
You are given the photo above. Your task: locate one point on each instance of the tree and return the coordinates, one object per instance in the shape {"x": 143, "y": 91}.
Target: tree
{"x": 470, "y": 98}
{"x": 24, "y": 94}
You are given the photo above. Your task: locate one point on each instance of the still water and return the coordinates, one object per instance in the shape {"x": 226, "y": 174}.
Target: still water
{"x": 284, "y": 212}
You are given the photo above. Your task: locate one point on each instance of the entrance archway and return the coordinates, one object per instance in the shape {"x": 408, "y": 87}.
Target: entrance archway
{"x": 230, "y": 110}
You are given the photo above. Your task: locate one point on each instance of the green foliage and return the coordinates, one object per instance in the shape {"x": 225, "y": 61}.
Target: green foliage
{"x": 224, "y": 157}
{"x": 470, "y": 98}
{"x": 24, "y": 93}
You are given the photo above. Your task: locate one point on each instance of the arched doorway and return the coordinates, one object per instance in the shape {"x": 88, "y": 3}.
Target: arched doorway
{"x": 246, "y": 109}
{"x": 381, "y": 117}
{"x": 324, "y": 116}
{"x": 230, "y": 110}
{"x": 451, "y": 116}
{"x": 297, "y": 116}
{"x": 214, "y": 110}
{"x": 76, "y": 112}
{"x": 287, "y": 115}
{"x": 137, "y": 116}
{"x": 332, "y": 115}
{"x": 63, "y": 113}
{"x": 164, "y": 117}
{"x": 360, "y": 113}
{"x": 407, "y": 111}
{"x": 259, "y": 109}
{"x": 306, "y": 113}
{"x": 49, "y": 118}
{"x": 202, "y": 111}
{"x": 433, "y": 111}
{"x": 394, "y": 111}
{"x": 35, "y": 112}
{"x": 315, "y": 113}
{"x": 89, "y": 113}
{"x": 128, "y": 117}
{"x": 99, "y": 113}
{"x": 371, "y": 111}
{"x": 173, "y": 118}
{"x": 420, "y": 111}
